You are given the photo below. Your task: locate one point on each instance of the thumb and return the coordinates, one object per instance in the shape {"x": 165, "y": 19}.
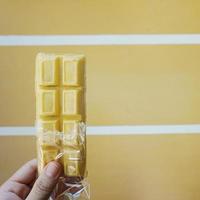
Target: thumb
{"x": 46, "y": 182}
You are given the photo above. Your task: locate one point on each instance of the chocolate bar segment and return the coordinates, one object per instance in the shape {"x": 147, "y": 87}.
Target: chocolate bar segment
{"x": 60, "y": 111}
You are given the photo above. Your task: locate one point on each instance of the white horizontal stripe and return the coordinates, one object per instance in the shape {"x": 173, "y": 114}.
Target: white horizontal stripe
{"x": 114, "y": 130}
{"x": 125, "y": 39}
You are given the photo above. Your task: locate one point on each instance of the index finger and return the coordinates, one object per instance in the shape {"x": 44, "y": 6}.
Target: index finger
{"x": 26, "y": 174}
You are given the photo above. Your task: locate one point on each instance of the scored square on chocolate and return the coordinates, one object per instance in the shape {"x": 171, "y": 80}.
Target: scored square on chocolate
{"x": 49, "y": 155}
{"x": 48, "y": 70}
{"x": 73, "y": 70}
{"x": 72, "y": 101}
{"x": 48, "y": 125}
{"x": 72, "y": 154}
{"x": 74, "y": 168}
{"x": 70, "y": 126}
{"x": 48, "y": 102}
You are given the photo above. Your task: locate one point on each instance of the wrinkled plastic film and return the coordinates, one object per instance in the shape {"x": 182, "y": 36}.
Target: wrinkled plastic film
{"x": 60, "y": 122}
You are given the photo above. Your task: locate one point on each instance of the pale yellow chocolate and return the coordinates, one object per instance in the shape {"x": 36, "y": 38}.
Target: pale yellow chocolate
{"x": 48, "y": 125}
{"x": 47, "y": 70}
{"x": 70, "y": 126}
{"x": 60, "y": 108}
{"x": 48, "y": 102}
{"x": 47, "y": 154}
{"x": 72, "y": 168}
{"x": 73, "y": 71}
{"x": 73, "y": 161}
{"x": 49, "y": 143}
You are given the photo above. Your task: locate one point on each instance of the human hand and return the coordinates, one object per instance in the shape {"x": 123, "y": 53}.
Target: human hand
{"x": 24, "y": 184}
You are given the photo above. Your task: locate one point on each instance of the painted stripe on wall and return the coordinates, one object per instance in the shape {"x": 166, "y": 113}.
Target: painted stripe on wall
{"x": 134, "y": 39}
{"x": 114, "y": 130}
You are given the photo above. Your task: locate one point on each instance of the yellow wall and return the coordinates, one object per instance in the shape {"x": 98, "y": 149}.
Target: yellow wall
{"x": 127, "y": 167}
{"x": 99, "y": 16}
{"x": 126, "y": 85}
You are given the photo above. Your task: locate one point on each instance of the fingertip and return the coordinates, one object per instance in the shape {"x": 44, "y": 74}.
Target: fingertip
{"x": 27, "y": 173}
{"x": 46, "y": 182}
{"x": 53, "y": 169}
{"x": 32, "y": 162}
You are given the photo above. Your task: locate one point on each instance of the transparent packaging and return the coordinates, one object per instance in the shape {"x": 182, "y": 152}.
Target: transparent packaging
{"x": 70, "y": 150}
{"x": 60, "y": 88}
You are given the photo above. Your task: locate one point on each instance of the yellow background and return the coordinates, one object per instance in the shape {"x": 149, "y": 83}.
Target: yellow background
{"x": 126, "y": 85}
{"x": 99, "y": 16}
{"x": 127, "y": 167}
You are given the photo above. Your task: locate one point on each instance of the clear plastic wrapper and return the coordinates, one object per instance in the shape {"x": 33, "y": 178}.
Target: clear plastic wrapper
{"x": 60, "y": 87}
{"x": 73, "y": 184}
